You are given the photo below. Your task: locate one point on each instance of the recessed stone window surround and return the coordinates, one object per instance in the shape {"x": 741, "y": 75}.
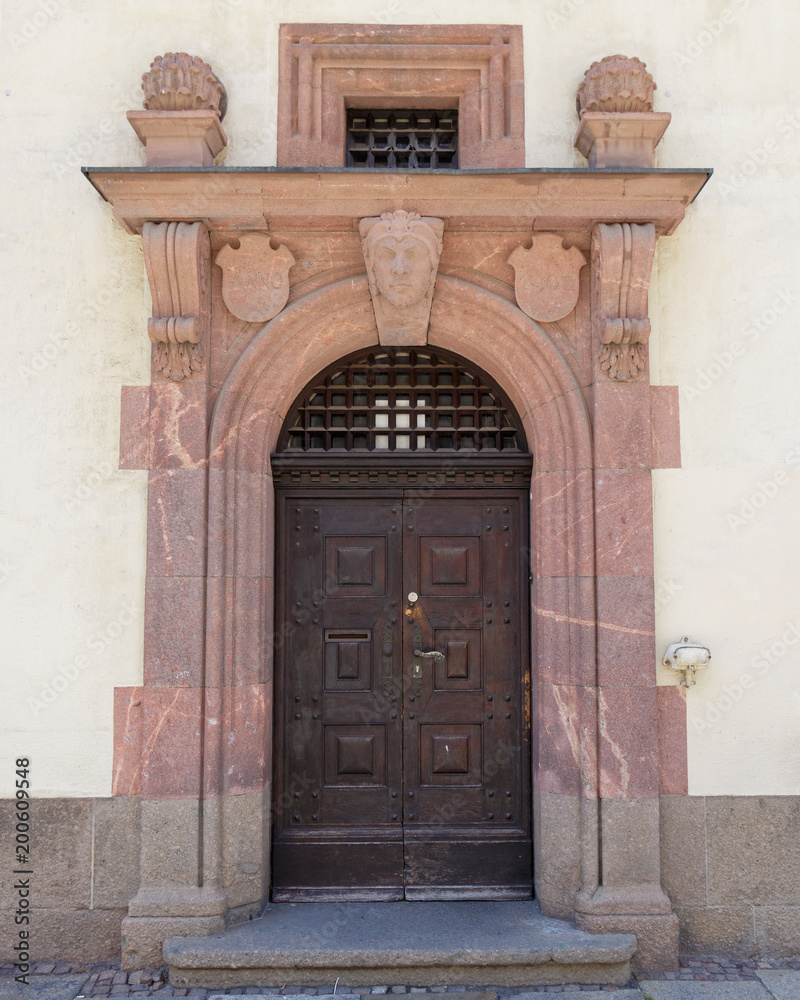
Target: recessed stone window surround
{"x": 325, "y": 69}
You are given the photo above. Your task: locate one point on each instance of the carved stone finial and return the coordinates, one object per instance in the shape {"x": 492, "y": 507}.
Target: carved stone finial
{"x": 547, "y": 277}
{"x": 184, "y": 103}
{"x": 176, "y": 255}
{"x": 622, "y": 259}
{"x": 401, "y": 252}
{"x": 618, "y": 127}
{"x": 180, "y": 82}
{"x": 618, "y": 84}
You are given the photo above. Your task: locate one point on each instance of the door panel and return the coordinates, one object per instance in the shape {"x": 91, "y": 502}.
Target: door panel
{"x": 406, "y": 775}
{"x": 466, "y": 815}
{"x": 338, "y": 734}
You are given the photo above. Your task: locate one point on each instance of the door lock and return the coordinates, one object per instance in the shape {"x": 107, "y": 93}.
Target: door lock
{"x": 433, "y": 654}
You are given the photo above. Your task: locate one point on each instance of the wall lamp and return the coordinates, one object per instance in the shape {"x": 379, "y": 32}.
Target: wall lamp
{"x": 686, "y": 657}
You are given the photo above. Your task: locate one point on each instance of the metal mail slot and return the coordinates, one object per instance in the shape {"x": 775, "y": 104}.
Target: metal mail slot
{"x": 342, "y": 635}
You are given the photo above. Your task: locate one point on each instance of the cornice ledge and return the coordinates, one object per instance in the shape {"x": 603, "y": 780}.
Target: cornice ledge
{"x": 538, "y": 199}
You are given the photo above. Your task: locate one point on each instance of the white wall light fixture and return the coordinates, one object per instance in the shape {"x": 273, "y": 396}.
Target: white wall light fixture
{"x": 686, "y": 657}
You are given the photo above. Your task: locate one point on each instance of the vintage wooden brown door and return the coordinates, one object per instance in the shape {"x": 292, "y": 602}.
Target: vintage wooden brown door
{"x": 402, "y": 745}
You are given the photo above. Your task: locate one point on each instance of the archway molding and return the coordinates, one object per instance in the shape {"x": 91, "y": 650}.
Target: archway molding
{"x": 250, "y": 408}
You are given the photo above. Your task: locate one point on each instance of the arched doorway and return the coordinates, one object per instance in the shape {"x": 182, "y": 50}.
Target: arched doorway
{"x": 402, "y": 700}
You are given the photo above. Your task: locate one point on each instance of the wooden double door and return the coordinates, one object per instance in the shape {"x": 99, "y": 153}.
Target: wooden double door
{"x": 402, "y": 749}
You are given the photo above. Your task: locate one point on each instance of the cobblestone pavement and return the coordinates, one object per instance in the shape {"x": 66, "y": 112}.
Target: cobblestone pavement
{"x": 106, "y": 980}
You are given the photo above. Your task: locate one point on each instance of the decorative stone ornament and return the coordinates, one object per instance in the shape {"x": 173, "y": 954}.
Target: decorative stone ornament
{"x": 622, "y": 258}
{"x": 615, "y": 104}
{"x": 547, "y": 277}
{"x": 180, "y": 82}
{"x": 255, "y": 277}
{"x": 176, "y": 255}
{"x": 616, "y": 84}
{"x": 184, "y": 103}
{"x": 401, "y": 252}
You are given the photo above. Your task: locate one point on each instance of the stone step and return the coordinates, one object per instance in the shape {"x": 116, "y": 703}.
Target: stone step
{"x": 475, "y": 943}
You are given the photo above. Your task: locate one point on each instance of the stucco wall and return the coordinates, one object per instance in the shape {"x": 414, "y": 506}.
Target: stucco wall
{"x": 73, "y": 538}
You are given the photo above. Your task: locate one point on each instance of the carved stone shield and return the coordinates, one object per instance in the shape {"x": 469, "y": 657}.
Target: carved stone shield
{"x": 255, "y": 278}
{"x": 546, "y": 277}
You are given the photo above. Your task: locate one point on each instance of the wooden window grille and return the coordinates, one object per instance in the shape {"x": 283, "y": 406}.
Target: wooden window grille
{"x": 402, "y": 402}
{"x": 402, "y": 140}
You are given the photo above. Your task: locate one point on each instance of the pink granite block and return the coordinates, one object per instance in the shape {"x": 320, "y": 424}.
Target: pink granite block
{"x": 673, "y": 771}
{"x": 134, "y": 427}
{"x": 558, "y": 744}
{"x": 621, "y": 418}
{"x": 127, "y": 767}
{"x": 628, "y": 742}
{"x": 561, "y": 505}
{"x": 666, "y": 426}
{"x": 171, "y": 744}
{"x": 174, "y": 631}
{"x": 625, "y": 631}
{"x": 176, "y": 522}
{"x": 178, "y": 425}
{"x": 564, "y": 629}
{"x": 624, "y": 522}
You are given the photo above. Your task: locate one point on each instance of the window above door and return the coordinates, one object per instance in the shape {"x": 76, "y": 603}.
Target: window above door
{"x": 402, "y": 140}
{"x": 327, "y": 70}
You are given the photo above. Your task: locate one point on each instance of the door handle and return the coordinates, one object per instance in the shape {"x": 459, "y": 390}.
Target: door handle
{"x": 433, "y": 654}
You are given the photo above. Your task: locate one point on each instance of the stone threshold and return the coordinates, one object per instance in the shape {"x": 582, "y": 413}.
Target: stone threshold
{"x": 476, "y": 943}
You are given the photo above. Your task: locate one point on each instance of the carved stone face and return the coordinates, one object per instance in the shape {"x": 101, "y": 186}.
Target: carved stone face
{"x": 402, "y": 270}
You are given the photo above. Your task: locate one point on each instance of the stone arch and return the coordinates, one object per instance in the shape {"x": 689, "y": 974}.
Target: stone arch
{"x": 284, "y": 356}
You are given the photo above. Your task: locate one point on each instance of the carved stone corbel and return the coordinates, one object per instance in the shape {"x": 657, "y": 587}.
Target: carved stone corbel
{"x": 622, "y": 258}
{"x": 401, "y": 252}
{"x": 176, "y": 255}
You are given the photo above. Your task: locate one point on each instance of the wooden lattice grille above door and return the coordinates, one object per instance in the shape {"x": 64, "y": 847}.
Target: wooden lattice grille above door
{"x": 402, "y": 402}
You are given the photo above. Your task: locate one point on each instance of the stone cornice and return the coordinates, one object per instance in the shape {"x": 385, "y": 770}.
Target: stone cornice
{"x": 264, "y": 198}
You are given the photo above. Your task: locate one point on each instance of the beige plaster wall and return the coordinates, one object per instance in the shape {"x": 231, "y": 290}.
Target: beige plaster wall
{"x": 73, "y": 526}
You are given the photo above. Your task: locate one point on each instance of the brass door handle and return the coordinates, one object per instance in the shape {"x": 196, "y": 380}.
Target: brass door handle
{"x": 433, "y": 655}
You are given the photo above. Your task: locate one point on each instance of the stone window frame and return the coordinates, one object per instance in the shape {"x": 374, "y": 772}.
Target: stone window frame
{"x": 326, "y": 68}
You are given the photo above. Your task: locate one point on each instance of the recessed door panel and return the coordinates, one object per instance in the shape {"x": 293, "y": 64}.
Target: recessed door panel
{"x": 466, "y": 818}
{"x": 337, "y": 828}
{"x": 462, "y": 666}
{"x": 450, "y": 566}
{"x": 355, "y": 566}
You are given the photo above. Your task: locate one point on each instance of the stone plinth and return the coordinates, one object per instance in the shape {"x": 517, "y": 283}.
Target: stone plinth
{"x": 620, "y": 139}
{"x": 179, "y": 138}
